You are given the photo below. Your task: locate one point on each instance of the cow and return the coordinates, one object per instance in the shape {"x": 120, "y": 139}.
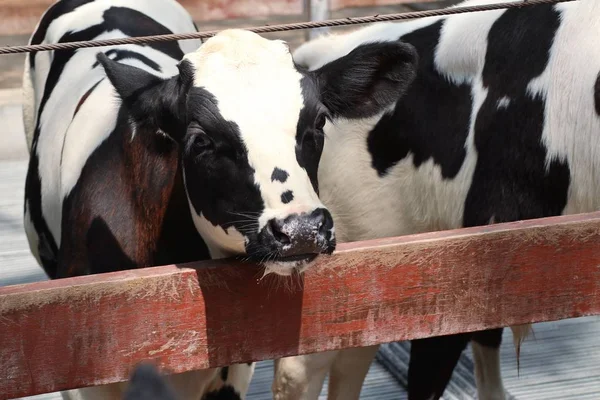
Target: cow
{"x": 169, "y": 152}
{"x": 501, "y": 123}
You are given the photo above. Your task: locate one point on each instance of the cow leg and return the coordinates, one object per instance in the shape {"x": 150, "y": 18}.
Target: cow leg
{"x": 231, "y": 381}
{"x": 486, "y": 354}
{"x": 348, "y": 372}
{"x": 432, "y": 362}
{"x": 301, "y": 377}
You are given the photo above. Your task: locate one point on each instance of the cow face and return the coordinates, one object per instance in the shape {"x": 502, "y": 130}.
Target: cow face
{"x": 249, "y": 123}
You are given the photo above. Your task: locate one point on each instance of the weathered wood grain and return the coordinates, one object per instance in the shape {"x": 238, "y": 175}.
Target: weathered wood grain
{"x": 91, "y": 330}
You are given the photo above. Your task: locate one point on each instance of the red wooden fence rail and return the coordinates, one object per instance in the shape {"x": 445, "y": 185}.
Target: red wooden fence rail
{"x": 92, "y": 330}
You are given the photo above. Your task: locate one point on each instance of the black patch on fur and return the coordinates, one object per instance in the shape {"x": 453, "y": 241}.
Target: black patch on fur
{"x": 368, "y": 79}
{"x": 133, "y": 23}
{"x": 128, "y": 54}
{"x": 431, "y": 120}
{"x": 279, "y": 175}
{"x": 47, "y": 248}
{"x": 597, "y": 95}
{"x": 224, "y": 373}
{"x": 219, "y": 178}
{"x": 309, "y": 139}
{"x": 227, "y": 392}
{"x": 432, "y": 361}
{"x": 55, "y": 11}
{"x": 287, "y": 197}
{"x": 511, "y": 181}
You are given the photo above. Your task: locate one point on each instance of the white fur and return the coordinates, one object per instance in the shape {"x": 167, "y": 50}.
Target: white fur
{"x": 572, "y": 125}
{"x": 239, "y": 376}
{"x": 411, "y": 200}
{"x": 487, "y": 372}
{"x": 503, "y": 102}
{"x": 28, "y": 104}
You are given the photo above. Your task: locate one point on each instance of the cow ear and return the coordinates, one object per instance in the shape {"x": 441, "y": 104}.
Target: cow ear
{"x": 153, "y": 102}
{"x": 367, "y": 80}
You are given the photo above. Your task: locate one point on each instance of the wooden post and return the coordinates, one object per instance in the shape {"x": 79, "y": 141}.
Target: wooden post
{"x": 317, "y": 10}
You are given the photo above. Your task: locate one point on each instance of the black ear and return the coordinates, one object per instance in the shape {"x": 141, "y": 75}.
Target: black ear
{"x": 153, "y": 102}
{"x": 146, "y": 383}
{"x": 368, "y": 79}
{"x": 129, "y": 81}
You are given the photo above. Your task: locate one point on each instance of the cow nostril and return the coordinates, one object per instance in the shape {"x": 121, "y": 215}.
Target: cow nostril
{"x": 277, "y": 232}
{"x": 323, "y": 223}
{"x": 322, "y": 229}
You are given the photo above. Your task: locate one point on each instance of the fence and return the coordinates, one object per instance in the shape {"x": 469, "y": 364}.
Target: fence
{"x": 91, "y": 330}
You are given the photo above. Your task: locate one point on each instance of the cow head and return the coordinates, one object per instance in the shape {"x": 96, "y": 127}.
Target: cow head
{"x": 249, "y": 124}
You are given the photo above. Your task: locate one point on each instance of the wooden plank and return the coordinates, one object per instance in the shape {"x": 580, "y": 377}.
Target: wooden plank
{"x": 20, "y": 17}
{"x": 91, "y": 330}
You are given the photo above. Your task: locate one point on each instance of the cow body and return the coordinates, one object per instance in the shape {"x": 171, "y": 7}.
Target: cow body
{"x": 164, "y": 153}
{"x": 502, "y": 123}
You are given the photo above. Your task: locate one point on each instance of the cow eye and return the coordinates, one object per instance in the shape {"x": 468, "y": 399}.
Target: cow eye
{"x": 320, "y": 122}
{"x": 200, "y": 142}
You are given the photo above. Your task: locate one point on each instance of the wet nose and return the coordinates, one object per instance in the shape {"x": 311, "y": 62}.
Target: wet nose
{"x": 306, "y": 233}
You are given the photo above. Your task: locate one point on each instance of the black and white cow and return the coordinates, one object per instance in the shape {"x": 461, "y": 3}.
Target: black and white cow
{"x": 164, "y": 153}
{"x": 501, "y": 123}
